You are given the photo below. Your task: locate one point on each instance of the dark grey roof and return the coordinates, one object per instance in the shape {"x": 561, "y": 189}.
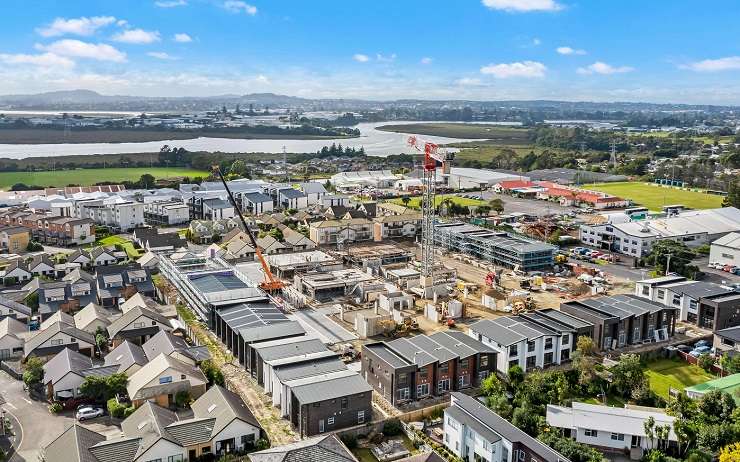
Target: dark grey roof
{"x": 73, "y": 445}
{"x": 497, "y": 332}
{"x": 64, "y": 362}
{"x": 257, "y": 197}
{"x": 392, "y": 358}
{"x": 216, "y": 203}
{"x": 192, "y": 431}
{"x": 700, "y": 289}
{"x": 224, "y": 406}
{"x": 478, "y": 427}
{"x": 247, "y": 315}
{"x": 623, "y": 306}
{"x": 263, "y": 333}
{"x": 308, "y": 368}
{"x": 116, "y": 450}
{"x": 294, "y": 347}
{"x": 330, "y": 389}
{"x": 564, "y": 318}
{"x": 208, "y": 283}
{"x": 148, "y": 422}
{"x": 133, "y": 314}
{"x": 291, "y": 193}
{"x": 125, "y": 355}
{"x": 552, "y": 324}
{"x": 461, "y": 350}
{"x": 100, "y": 371}
{"x": 321, "y": 448}
{"x": 440, "y": 352}
{"x": 412, "y": 352}
{"x": 35, "y": 341}
{"x": 166, "y": 342}
{"x": 9, "y": 304}
{"x": 475, "y": 411}
{"x": 731, "y": 333}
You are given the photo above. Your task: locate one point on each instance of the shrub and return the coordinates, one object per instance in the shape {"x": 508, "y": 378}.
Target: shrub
{"x": 182, "y": 398}
{"x": 262, "y": 444}
{"x": 705, "y": 361}
{"x": 128, "y": 411}
{"x": 392, "y": 428}
{"x": 116, "y": 409}
{"x": 55, "y": 408}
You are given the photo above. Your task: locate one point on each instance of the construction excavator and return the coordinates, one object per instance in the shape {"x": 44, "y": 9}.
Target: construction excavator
{"x": 271, "y": 284}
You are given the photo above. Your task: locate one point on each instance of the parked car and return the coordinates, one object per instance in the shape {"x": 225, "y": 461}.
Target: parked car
{"x": 702, "y": 343}
{"x": 700, "y": 351}
{"x": 728, "y": 268}
{"x": 683, "y": 348}
{"x": 89, "y": 412}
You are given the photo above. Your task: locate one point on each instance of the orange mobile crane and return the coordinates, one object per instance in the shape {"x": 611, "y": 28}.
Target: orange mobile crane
{"x": 271, "y": 283}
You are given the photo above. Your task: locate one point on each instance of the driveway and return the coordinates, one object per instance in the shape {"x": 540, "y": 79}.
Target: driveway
{"x": 37, "y": 427}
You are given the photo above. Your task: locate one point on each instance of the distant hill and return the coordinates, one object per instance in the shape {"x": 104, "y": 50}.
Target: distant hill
{"x": 91, "y": 100}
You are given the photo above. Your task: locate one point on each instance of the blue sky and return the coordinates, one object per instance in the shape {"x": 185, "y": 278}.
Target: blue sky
{"x": 599, "y": 50}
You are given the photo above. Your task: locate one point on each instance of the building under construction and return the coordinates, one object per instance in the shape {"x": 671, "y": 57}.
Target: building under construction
{"x": 498, "y": 247}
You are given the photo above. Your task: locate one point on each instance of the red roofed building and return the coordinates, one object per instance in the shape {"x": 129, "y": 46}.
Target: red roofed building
{"x": 576, "y": 196}
{"x": 507, "y": 186}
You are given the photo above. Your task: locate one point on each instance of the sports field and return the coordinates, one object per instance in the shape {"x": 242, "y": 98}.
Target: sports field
{"x": 655, "y": 197}
{"x": 89, "y": 176}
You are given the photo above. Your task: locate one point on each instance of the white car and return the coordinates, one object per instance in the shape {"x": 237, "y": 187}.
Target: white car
{"x": 85, "y": 413}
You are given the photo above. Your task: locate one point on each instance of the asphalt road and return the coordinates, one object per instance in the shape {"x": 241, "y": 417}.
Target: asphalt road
{"x": 528, "y": 206}
{"x": 37, "y": 427}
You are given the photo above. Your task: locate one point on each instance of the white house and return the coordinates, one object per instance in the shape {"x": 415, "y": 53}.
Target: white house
{"x": 681, "y": 293}
{"x": 726, "y": 250}
{"x": 607, "y": 426}
{"x": 256, "y": 203}
{"x": 474, "y": 432}
{"x": 12, "y": 337}
{"x": 289, "y": 198}
{"x": 314, "y": 192}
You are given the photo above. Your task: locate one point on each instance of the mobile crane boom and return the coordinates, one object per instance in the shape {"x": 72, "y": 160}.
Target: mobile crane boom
{"x": 271, "y": 283}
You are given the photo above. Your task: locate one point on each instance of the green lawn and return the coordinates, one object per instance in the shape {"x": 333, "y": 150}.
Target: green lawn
{"x": 89, "y": 176}
{"x": 415, "y": 202}
{"x": 615, "y": 401}
{"x": 673, "y": 373}
{"x": 127, "y": 245}
{"x": 655, "y": 197}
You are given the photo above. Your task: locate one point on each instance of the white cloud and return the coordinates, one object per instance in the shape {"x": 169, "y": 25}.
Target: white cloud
{"x": 79, "y": 49}
{"x": 536, "y": 42}
{"x": 170, "y": 3}
{"x": 603, "y": 68}
{"x": 522, "y": 5}
{"x": 262, "y": 79}
{"x": 570, "y": 51}
{"x": 360, "y": 58}
{"x": 76, "y": 26}
{"x": 525, "y": 69}
{"x": 385, "y": 58}
{"x": 136, "y": 36}
{"x": 162, "y": 55}
{"x": 714, "y": 65}
{"x": 49, "y": 60}
{"x": 182, "y": 38}
{"x": 426, "y": 60}
{"x": 468, "y": 82}
{"x": 237, "y": 6}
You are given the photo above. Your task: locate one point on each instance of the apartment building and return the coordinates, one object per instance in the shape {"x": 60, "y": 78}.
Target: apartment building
{"x": 419, "y": 367}
{"x": 332, "y": 232}
{"x": 622, "y": 320}
{"x": 166, "y": 213}
{"x": 681, "y": 293}
{"x": 396, "y": 226}
{"x": 14, "y": 239}
{"x": 473, "y": 432}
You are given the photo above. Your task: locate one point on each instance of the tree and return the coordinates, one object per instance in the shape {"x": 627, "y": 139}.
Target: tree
{"x": 716, "y": 406}
{"x": 649, "y": 427}
{"x": 212, "y": 373}
{"x": 571, "y": 449}
{"x": 34, "y": 372}
{"x": 405, "y": 200}
{"x": 628, "y": 374}
{"x": 497, "y": 205}
{"x": 705, "y": 361}
{"x": 146, "y": 181}
{"x": 483, "y": 210}
{"x": 239, "y": 168}
{"x": 730, "y": 364}
{"x": 516, "y": 376}
{"x": 680, "y": 258}
{"x": 182, "y": 398}
{"x": 732, "y": 199}
{"x": 101, "y": 389}
{"x": 492, "y": 386}
{"x": 584, "y": 359}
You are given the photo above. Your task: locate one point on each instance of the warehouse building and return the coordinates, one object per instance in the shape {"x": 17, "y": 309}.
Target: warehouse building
{"x": 726, "y": 250}
{"x": 497, "y": 247}
{"x": 477, "y": 178}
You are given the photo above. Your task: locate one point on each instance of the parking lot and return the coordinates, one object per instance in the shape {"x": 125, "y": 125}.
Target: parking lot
{"x": 528, "y": 206}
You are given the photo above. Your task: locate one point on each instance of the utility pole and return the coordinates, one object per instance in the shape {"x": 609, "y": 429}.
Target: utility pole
{"x": 668, "y": 265}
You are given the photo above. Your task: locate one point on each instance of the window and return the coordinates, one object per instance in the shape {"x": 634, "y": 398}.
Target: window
{"x": 138, "y": 325}
{"x": 167, "y": 379}
{"x": 443, "y": 386}
{"x": 402, "y": 379}
{"x": 618, "y": 436}
{"x": 57, "y": 341}
{"x": 463, "y": 381}
{"x": 513, "y": 350}
{"x": 176, "y": 458}
{"x": 513, "y": 363}
{"x": 676, "y": 299}
{"x": 403, "y": 393}
{"x": 548, "y": 358}
{"x": 565, "y": 339}
{"x": 661, "y": 294}
{"x": 464, "y": 363}
{"x": 591, "y": 433}
{"x": 548, "y": 343}
{"x": 645, "y": 290}
{"x": 444, "y": 367}
{"x": 520, "y": 455}
{"x": 422, "y": 390}
{"x": 452, "y": 423}
{"x": 330, "y": 421}
{"x": 483, "y": 360}
{"x": 422, "y": 371}
{"x": 636, "y": 335}
{"x": 360, "y": 417}
{"x": 531, "y": 361}
{"x": 530, "y": 346}
{"x": 345, "y": 403}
